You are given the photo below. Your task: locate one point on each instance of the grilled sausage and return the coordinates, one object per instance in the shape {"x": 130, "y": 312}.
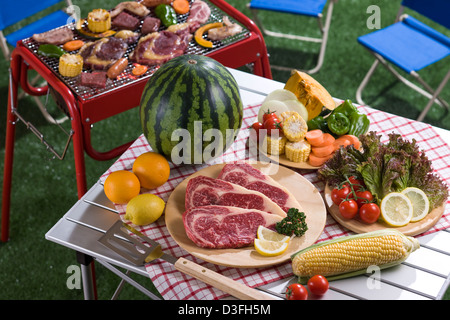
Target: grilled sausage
{"x": 117, "y": 68}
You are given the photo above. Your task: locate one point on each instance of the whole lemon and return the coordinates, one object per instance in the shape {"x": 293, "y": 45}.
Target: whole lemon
{"x": 152, "y": 169}
{"x": 144, "y": 209}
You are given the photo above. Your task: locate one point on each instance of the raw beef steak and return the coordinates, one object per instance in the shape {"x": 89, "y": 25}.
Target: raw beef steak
{"x": 222, "y": 227}
{"x": 204, "y": 191}
{"x": 245, "y": 175}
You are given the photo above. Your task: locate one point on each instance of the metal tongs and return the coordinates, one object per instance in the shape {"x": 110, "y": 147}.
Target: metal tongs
{"x": 139, "y": 249}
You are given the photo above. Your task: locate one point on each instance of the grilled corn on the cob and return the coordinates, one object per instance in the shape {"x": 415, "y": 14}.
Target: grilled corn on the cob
{"x": 70, "y": 65}
{"x": 294, "y": 127}
{"x": 99, "y": 20}
{"x": 274, "y": 144}
{"x": 297, "y": 151}
{"x": 352, "y": 255}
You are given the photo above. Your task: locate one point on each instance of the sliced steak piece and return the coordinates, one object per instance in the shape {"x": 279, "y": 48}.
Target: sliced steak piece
{"x": 199, "y": 13}
{"x": 55, "y": 36}
{"x": 222, "y": 227}
{"x": 134, "y": 7}
{"x": 150, "y": 24}
{"x": 159, "y": 47}
{"x": 101, "y": 54}
{"x": 125, "y": 21}
{"x": 94, "y": 80}
{"x": 247, "y": 176}
{"x": 204, "y": 191}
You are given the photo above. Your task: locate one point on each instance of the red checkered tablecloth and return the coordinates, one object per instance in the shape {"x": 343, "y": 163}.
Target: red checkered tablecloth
{"x": 173, "y": 284}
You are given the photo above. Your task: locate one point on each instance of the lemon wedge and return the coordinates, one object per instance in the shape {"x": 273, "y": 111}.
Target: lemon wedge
{"x": 267, "y": 234}
{"x": 420, "y": 202}
{"x": 270, "y": 248}
{"x": 396, "y": 209}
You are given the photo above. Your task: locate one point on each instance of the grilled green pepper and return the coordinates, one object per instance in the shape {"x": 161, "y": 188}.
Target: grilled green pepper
{"x": 317, "y": 123}
{"x": 347, "y": 108}
{"x": 338, "y": 123}
{"x": 359, "y": 124}
{"x": 50, "y": 50}
{"x": 166, "y": 14}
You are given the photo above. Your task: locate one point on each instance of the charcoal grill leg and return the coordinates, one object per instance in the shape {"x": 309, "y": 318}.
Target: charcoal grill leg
{"x": 9, "y": 150}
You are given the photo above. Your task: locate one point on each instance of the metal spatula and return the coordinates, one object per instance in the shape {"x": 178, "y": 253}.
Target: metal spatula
{"x": 139, "y": 249}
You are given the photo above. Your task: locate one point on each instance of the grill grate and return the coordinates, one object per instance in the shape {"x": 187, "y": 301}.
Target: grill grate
{"x": 127, "y": 78}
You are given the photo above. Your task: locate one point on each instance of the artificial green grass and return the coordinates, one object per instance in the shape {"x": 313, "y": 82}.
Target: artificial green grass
{"x": 44, "y": 190}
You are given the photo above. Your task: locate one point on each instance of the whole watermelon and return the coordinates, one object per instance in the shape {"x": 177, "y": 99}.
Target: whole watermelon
{"x": 191, "y": 109}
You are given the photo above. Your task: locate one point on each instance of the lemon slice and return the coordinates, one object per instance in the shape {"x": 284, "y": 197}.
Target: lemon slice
{"x": 270, "y": 248}
{"x": 267, "y": 234}
{"x": 396, "y": 209}
{"x": 420, "y": 202}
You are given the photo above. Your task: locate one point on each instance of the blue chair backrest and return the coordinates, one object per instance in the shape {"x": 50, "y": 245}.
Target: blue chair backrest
{"x": 436, "y": 10}
{"x": 13, "y": 11}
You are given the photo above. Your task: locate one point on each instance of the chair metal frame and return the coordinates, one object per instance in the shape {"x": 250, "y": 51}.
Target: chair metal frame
{"x": 427, "y": 91}
{"x": 324, "y": 29}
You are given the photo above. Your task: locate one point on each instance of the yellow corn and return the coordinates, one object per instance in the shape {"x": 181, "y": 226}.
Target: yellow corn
{"x": 294, "y": 127}
{"x": 99, "y": 20}
{"x": 274, "y": 145}
{"x": 286, "y": 114}
{"x": 70, "y": 65}
{"x": 297, "y": 151}
{"x": 352, "y": 255}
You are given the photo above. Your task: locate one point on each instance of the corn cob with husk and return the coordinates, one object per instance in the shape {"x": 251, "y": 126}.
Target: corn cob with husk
{"x": 350, "y": 256}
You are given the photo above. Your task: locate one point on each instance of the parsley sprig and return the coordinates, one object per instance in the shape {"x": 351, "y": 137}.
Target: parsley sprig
{"x": 293, "y": 224}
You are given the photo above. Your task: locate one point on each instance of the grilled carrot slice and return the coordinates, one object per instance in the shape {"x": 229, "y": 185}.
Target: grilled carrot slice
{"x": 323, "y": 151}
{"x": 353, "y": 140}
{"x": 73, "y": 45}
{"x": 327, "y": 140}
{"x": 341, "y": 141}
{"x": 314, "y": 137}
{"x": 181, "y": 6}
{"x": 316, "y": 161}
{"x": 139, "y": 69}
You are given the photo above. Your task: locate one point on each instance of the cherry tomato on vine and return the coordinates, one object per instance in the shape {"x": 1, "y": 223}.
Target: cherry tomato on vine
{"x": 339, "y": 194}
{"x": 369, "y": 212}
{"x": 318, "y": 285}
{"x": 362, "y": 197}
{"x": 273, "y": 125}
{"x": 357, "y": 184}
{"x": 269, "y": 114}
{"x": 296, "y": 292}
{"x": 257, "y": 126}
{"x": 348, "y": 209}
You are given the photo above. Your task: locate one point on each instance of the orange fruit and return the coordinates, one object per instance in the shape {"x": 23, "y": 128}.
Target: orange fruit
{"x": 121, "y": 186}
{"x": 152, "y": 169}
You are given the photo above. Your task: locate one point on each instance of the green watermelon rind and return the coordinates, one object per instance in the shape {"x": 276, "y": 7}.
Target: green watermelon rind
{"x": 179, "y": 93}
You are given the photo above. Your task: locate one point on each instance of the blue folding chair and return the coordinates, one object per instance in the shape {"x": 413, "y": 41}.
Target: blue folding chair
{"x": 310, "y": 8}
{"x": 14, "y": 12}
{"x": 411, "y": 45}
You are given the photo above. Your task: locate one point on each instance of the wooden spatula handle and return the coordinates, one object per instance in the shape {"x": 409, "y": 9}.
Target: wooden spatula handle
{"x": 234, "y": 288}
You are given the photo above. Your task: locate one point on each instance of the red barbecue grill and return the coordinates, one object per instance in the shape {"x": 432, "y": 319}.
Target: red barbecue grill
{"x": 86, "y": 106}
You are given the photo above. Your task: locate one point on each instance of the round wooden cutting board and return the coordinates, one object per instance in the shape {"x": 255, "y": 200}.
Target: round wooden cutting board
{"x": 303, "y": 190}
{"x": 358, "y": 226}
